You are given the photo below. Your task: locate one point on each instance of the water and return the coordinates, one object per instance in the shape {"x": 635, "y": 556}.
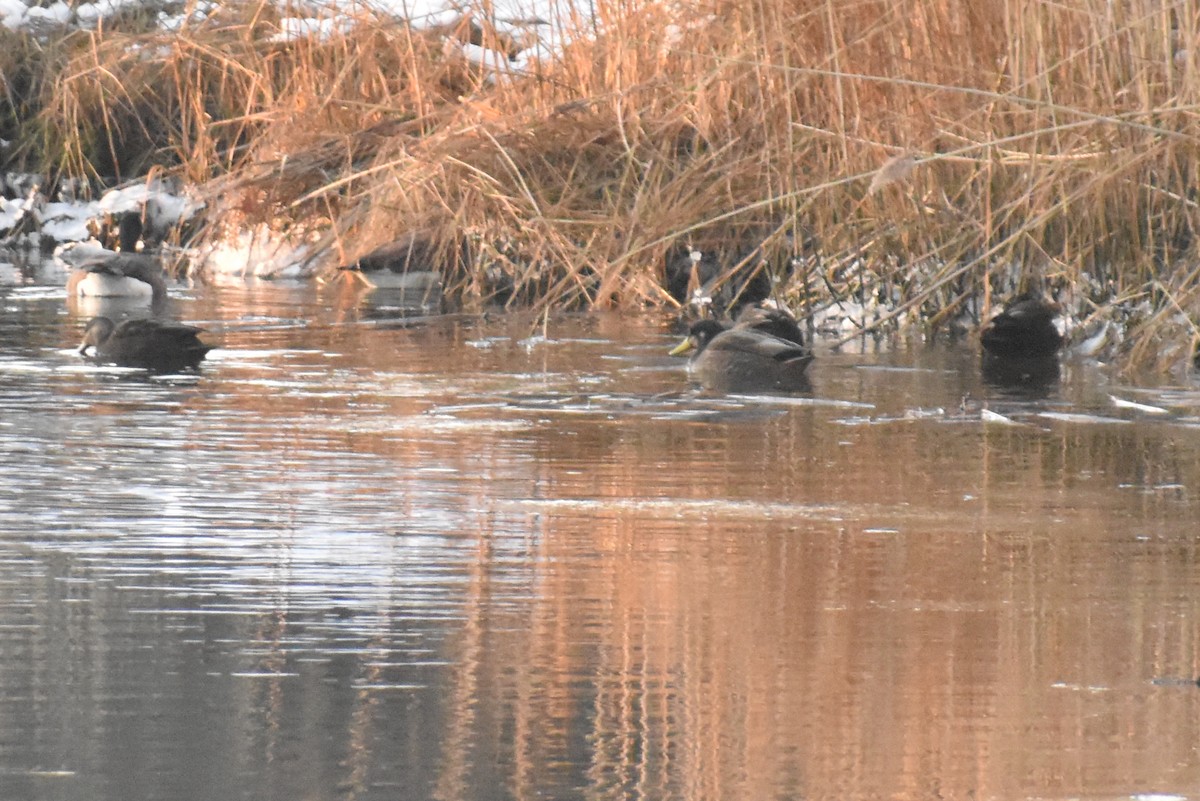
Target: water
{"x": 468, "y": 559}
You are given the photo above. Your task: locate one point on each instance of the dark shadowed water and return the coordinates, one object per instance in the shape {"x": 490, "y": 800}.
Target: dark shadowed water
{"x": 469, "y": 559}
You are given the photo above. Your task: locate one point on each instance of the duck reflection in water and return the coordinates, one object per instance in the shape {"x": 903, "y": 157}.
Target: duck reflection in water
{"x": 1021, "y": 345}
{"x": 763, "y": 351}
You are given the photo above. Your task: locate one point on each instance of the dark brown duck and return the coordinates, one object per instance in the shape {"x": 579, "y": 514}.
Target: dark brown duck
{"x": 1024, "y": 329}
{"x": 154, "y": 345}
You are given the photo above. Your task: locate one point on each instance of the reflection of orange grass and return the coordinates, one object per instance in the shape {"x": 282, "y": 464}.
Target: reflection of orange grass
{"x": 904, "y": 610}
{"x": 786, "y": 658}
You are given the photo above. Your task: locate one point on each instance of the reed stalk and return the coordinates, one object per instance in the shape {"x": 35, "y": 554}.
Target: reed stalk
{"x": 924, "y": 157}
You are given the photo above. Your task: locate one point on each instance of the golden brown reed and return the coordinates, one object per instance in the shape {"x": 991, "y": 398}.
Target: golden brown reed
{"x": 1053, "y": 144}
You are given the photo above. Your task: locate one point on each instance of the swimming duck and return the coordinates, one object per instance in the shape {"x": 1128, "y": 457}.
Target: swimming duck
{"x": 154, "y": 345}
{"x": 744, "y": 358}
{"x": 121, "y": 275}
{"x": 1024, "y": 329}
{"x": 1020, "y": 346}
{"x": 409, "y": 263}
{"x": 103, "y": 273}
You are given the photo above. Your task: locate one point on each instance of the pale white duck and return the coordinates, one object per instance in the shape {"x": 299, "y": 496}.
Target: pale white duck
{"x": 97, "y": 272}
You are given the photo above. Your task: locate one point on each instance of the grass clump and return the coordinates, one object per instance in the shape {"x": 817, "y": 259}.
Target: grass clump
{"x": 911, "y": 158}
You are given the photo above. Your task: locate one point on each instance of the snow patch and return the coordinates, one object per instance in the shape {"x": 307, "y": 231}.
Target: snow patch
{"x": 258, "y": 253}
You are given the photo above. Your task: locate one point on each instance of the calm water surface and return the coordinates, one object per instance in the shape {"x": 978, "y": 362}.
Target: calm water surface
{"x": 458, "y": 559}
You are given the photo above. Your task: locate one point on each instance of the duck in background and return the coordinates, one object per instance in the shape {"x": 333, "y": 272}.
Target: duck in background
{"x": 763, "y": 350}
{"x": 1021, "y": 343}
{"x": 102, "y": 273}
{"x": 698, "y": 278}
{"x": 409, "y": 263}
{"x": 154, "y": 345}
{"x": 1024, "y": 329}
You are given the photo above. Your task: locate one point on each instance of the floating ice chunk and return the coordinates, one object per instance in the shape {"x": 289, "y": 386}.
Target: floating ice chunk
{"x": 1068, "y": 417}
{"x": 988, "y": 416}
{"x": 1121, "y": 403}
{"x": 1089, "y": 688}
{"x": 1093, "y": 344}
{"x": 797, "y": 400}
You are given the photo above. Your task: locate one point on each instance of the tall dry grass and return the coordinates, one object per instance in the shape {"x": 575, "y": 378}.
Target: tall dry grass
{"x": 923, "y": 153}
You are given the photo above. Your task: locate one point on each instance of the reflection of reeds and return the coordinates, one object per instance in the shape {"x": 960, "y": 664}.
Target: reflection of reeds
{"x": 775, "y": 658}
{"x": 992, "y": 637}
{"x": 1052, "y": 139}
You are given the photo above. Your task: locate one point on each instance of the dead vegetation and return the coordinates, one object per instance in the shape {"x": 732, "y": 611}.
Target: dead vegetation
{"x": 911, "y": 157}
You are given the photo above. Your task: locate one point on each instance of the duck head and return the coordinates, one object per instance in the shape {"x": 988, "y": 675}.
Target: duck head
{"x": 97, "y": 332}
{"x": 699, "y": 335}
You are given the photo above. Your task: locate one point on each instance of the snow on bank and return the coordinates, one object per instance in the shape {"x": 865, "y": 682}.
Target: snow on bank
{"x": 30, "y": 220}
{"x": 18, "y": 15}
{"x": 319, "y": 19}
{"x": 531, "y": 30}
{"x": 259, "y": 253}
{"x": 536, "y": 29}
{"x": 69, "y": 226}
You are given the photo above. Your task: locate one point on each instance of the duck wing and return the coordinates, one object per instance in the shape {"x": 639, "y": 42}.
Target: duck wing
{"x": 775, "y": 322}
{"x": 755, "y": 344}
{"x": 155, "y": 345}
{"x": 148, "y": 328}
{"x": 129, "y": 265}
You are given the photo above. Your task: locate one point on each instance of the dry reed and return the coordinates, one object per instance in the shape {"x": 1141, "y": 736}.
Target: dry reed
{"x": 916, "y": 155}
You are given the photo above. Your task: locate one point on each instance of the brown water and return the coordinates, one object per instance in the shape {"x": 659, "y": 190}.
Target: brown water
{"x": 451, "y": 560}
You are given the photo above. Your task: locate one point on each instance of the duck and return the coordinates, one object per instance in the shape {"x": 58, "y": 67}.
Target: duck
{"x": 1024, "y": 329}
{"x": 697, "y": 278}
{"x": 102, "y": 273}
{"x": 1021, "y": 345}
{"x": 409, "y": 263}
{"x": 120, "y": 275}
{"x": 686, "y": 270}
{"x": 154, "y": 345}
{"x": 744, "y": 358}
